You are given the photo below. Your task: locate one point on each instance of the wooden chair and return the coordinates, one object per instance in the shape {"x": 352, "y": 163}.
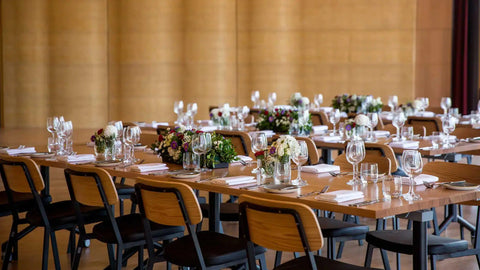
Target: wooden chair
{"x": 94, "y": 187}
{"x": 317, "y": 119}
{"x": 242, "y": 143}
{"x": 21, "y": 175}
{"x": 430, "y": 124}
{"x": 284, "y": 226}
{"x": 175, "y": 204}
{"x": 384, "y": 164}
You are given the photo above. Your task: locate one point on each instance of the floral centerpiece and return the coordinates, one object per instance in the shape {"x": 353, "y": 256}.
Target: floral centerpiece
{"x": 280, "y": 118}
{"x": 175, "y": 142}
{"x": 357, "y": 126}
{"x": 410, "y": 108}
{"x": 280, "y": 151}
{"x": 104, "y": 140}
{"x": 221, "y": 116}
{"x": 298, "y": 101}
{"x": 357, "y": 103}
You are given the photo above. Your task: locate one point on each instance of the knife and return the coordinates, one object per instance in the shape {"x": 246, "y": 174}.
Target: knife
{"x": 364, "y": 203}
{"x": 324, "y": 189}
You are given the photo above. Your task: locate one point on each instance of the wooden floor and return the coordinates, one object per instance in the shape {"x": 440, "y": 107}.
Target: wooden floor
{"x": 95, "y": 257}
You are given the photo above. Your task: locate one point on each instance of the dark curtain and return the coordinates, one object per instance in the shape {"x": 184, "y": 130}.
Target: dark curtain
{"x": 465, "y": 49}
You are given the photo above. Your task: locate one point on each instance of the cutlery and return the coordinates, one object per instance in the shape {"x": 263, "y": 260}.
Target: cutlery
{"x": 432, "y": 185}
{"x": 335, "y": 174}
{"x": 358, "y": 204}
{"x": 324, "y": 189}
{"x": 252, "y": 187}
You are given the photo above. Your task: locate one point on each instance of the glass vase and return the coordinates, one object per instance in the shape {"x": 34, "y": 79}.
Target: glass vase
{"x": 283, "y": 171}
{"x": 100, "y": 151}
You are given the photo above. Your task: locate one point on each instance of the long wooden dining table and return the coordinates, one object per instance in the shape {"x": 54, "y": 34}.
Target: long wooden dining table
{"x": 417, "y": 211}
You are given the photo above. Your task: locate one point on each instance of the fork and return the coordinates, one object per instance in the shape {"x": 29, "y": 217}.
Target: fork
{"x": 335, "y": 174}
{"x": 324, "y": 189}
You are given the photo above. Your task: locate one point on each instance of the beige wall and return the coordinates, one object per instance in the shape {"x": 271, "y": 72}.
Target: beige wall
{"x": 100, "y": 60}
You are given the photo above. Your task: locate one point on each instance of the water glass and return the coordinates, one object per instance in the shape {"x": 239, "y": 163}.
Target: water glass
{"x": 369, "y": 172}
{"x": 282, "y": 172}
{"x": 191, "y": 161}
{"x": 52, "y": 145}
{"x": 437, "y": 139}
{"x": 407, "y": 133}
{"x": 397, "y": 187}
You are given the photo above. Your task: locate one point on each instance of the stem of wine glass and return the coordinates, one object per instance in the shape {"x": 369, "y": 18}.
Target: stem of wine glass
{"x": 299, "y": 174}
{"x": 398, "y": 133}
{"x": 334, "y": 129}
{"x": 355, "y": 172}
{"x": 410, "y": 188}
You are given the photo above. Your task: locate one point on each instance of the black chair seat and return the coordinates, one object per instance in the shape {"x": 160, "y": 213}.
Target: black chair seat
{"x": 131, "y": 229}
{"x": 337, "y": 228}
{"x": 124, "y": 189}
{"x": 228, "y": 211}
{"x": 401, "y": 241}
{"x": 23, "y": 202}
{"x": 322, "y": 263}
{"x": 216, "y": 248}
{"x": 63, "y": 213}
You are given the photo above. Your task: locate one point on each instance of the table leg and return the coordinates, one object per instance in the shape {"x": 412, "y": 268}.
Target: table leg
{"x": 45, "y": 171}
{"x": 214, "y": 213}
{"x": 327, "y": 156}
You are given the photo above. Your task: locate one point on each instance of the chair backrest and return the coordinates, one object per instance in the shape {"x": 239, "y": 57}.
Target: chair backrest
{"x": 382, "y": 149}
{"x": 87, "y": 184}
{"x": 384, "y": 163}
{"x": 162, "y": 202}
{"x": 16, "y": 172}
{"x": 148, "y": 138}
{"x": 242, "y": 143}
{"x": 313, "y": 155}
{"x": 279, "y": 225}
{"x": 317, "y": 119}
{"x": 450, "y": 171}
{"x": 430, "y": 124}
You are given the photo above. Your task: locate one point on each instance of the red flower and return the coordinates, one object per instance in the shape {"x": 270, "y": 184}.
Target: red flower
{"x": 265, "y": 112}
{"x": 198, "y": 131}
{"x": 100, "y": 131}
{"x": 278, "y": 115}
{"x": 259, "y": 153}
{"x": 160, "y": 138}
{"x": 276, "y": 109}
{"x": 180, "y": 136}
{"x": 220, "y": 114}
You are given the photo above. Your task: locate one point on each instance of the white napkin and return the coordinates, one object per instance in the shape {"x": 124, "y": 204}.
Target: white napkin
{"x": 451, "y": 138}
{"x": 155, "y": 124}
{"x": 320, "y": 168}
{"x": 340, "y": 196}
{"x": 405, "y": 144}
{"x": 319, "y": 129}
{"x": 425, "y": 114}
{"x": 81, "y": 158}
{"x": 476, "y": 126}
{"x": 234, "y": 180}
{"x": 149, "y": 167}
{"x": 381, "y": 133}
{"x": 386, "y": 115}
{"x": 329, "y": 138}
{"x": 268, "y": 133}
{"x": 208, "y": 128}
{"x": 244, "y": 158}
{"x": 326, "y": 109}
{"x": 16, "y": 151}
{"x": 418, "y": 180}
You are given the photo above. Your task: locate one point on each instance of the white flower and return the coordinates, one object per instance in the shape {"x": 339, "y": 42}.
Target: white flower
{"x": 110, "y": 131}
{"x": 305, "y": 101}
{"x": 417, "y": 104}
{"x": 214, "y": 112}
{"x": 362, "y": 120}
{"x": 297, "y": 96}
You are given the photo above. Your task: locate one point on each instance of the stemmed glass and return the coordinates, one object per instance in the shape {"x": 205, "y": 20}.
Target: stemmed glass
{"x": 272, "y": 98}
{"x": 255, "y": 97}
{"x": 299, "y": 159}
{"x": 334, "y": 118}
{"x": 373, "y": 123}
{"x": 259, "y": 143}
{"x": 192, "y": 110}
{"x": 445, "y": 103}
{"x": 178, "y": 110}
{"x": 68, "y": 133}
{"x": 425, "y": 102}
{"x": 355, "y": 153}
{"x": 131, "y": 137}
{"x": 52, "y": 127}
{"x": 413, "y": 165}
{"x": 392, "y": 102}
{"x": 318, "y": 100}
{"x": 398, "y": 121}
{"x": 201, "y": 144}
{"x": 119, "y": 139}
{"x": 448, "y": 125}
{"x": 242, "y": 113}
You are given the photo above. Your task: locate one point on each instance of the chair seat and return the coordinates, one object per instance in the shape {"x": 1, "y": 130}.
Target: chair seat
{"x": 337, "y": 228}
{"x": 131, "y": 229}
{"x": 23, "y": 202}
{"x": 124, "y": 189}
{"x": 401, "y": 241}
{"x": 216, "y": 248}
{"x": 63, "y": 213}
{"x": 322, "y": 263}
{"x": 228, "y": 211}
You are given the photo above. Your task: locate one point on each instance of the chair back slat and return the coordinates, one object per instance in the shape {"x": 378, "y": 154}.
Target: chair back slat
{"x": 429, "y": 124}
{"x": 277, "y": 230}
{"x": 162, "y": 206}
{"x": 16, "y": 177}
{"x": 85, "y": 187}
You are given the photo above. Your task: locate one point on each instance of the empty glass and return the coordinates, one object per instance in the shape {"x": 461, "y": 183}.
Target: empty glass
{"x": 299, "y": 159}
{"x": 131, "y": 135}
{"x": 355, "y": 153}
{"x": 398, "y": 121}
{"x": 334, "y": 118}
{"x": 318, "y": 100}
{"x": 412, "y": 165}
{"x": 392, "y": 102}
{"x": 255, "y": 98}
{"x": 437, "y": 139}
{"x": 448, "y": 125}
{"x": 242, "y": 113}
{"x": 445, "y": 104}
{"x": 373, "y": 123}
{"x": 178, "y": 110}
{"x": 272, "y": 98}
{"x": 259, "y": 143}
{"x": 369, "y": 172}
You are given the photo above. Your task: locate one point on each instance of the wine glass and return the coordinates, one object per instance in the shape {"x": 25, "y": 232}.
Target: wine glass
{"x": 68, "y": 133}
{"x": 413, "y": 165}
{"x": 259, "y": 143}
{"x": 398, "y": 121}
{"x": 272, "y": 98}
{"x": 299, "y": 158}
{"x": 425, "y": 102}
{"x": 448, "y": 126}
{"x": 355, "y": 153}
{"x": 334, "y": 118}
{"x": 445, "y": 103}
{"x": 201, "y": 144}
{"x": 318, "y": 100}
{"x": 131, "y": 136}
{"x": 242, "y": 113}
{"x": 255, "y": 97}
{"x": 392, "y": 102}
{"x": 178, "y": 110}
{"x": 373, "y": 123}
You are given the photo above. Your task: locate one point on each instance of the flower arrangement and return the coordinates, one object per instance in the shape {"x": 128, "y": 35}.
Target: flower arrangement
{"x": 221, "y": 116}
{"x": 280, "y": 118}
{"x": 104, "y": 138}
{"x": 352, "y": 125}
{"x": 410, "y": 108}
{"x": 281, "y": 150}
{"x": 296, "y": 100}
{"x": 357, "y": 103}
{"x": 175, "y": 142}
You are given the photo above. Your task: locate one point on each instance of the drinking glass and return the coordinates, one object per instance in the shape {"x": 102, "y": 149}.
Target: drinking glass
{"x": 178, "y": 110}
{"x": 425, "y": 102}
{"x": 373, "y": 123}
{"x": 412, "y": 165}
{"x": 355, "y": 153}
{"x": 369, "y": 172}
{"x": 272, "y": 98}
{"x": 478, "y": 106}
{"x": 199, "y": 146}
{"x": 445, "y": 103}
{"x": 392, "y": 102}
{"x": 299, "y": 159}
{"x": 255, "y": 97}
{"x": 68, "y": 133}
{"x": 334, "y": 118}
{"x": 131, "y": 136}
{"x": 52, "y": 125}
{"x": 398, "y": 121}
{"x": 242, "y": 113}
{"x": 318, "y": 100}
{"x": 436, "y": 138}
{"x": 448, "y": 125}
{"x": 259, "y": 143}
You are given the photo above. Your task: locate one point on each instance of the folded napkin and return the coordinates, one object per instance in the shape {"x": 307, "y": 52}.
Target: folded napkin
{"x": 381, "y": 133}
{"x": 418, "y": 180}
{"x": 329, "y": 138}
{"x": 405, "y": 144}
{"x": 340, "y": 196}
{"x": 16, "y": 151}
{"x": 425, "y": 114}
{"x": 386, "y": 115}
{"x": 326, "y": 109}
{"x": 243, "y": 158}
{"x": 234, "y": 180}
{"x": 208, "y": 128}
{"x": 149, "y": 167}
{"x": 476, "y": 126}
{"x": 81, "y": 158}
{"x": 320, "y": 168}
{"x": 451, "y": 138}
{"x": 268, "y": 133}
{"x": 155, "y": 124}
{"x": 319, "y": 129}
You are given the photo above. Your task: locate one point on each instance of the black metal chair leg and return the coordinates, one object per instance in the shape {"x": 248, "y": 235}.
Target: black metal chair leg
{"x": 56, "y": 259}
{"x": 278, "y": 258}
{"x": 46, "y": 240}
{"x": 119, "y": 259}
{"x": 368, "y": 256}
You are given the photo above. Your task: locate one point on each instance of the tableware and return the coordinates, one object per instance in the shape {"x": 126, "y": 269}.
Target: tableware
{"x": 259, "y": 143}
{"x": 107, "y": 163}
{"x": 448, "y": 125}
{"x": 461, "y": 186}
{"x": 201, "y": 144}
{"x": 363, "y": 203}
{"x": 398, "y": 121}
{"x": 445, "y": 104}
{"x": 299, "y": 159}
{"x": 434, "y": 185}
{"x": 334, "y": 118}
{"x": 392, "y": 102}
{"x": 369, "y": 172}
{"x": 280, "y": 188}
{"x": 324, "y": 189}
{"x": 42, "y": 154}
{"x": 373, "y": 123}
{"x": 413, "y": 165}
{"x": 355, "y": 153}
{"x": 318, "y": 100}
{"x": 184, "y": 174}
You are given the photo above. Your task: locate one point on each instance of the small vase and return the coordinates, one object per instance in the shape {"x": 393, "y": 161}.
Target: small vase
{"x": 361, "y": 132}
{"x": 283, "y": 171}
{"x": 100, "y": 151}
